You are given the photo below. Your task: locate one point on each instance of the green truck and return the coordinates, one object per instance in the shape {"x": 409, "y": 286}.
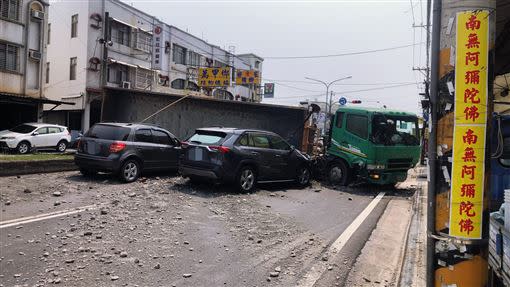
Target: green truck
{"x": 375, "y": 145}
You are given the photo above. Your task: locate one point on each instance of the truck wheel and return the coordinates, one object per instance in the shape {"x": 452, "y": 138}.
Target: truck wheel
{"x": 338, "y": 173}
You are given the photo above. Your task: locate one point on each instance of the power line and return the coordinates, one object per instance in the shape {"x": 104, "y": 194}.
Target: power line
{"x": 338, "y": 84}
{"x": 342, "y": 54}
{"x": 358, "y": 91}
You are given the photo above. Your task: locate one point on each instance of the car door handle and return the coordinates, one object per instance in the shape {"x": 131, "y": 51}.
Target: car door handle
{"x": 139, "y": 148}
{"x": 254, "y": 153}
{"x": 278, "y": 155}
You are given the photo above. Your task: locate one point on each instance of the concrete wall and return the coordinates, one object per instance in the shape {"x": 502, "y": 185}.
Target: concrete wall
{"x": 191, "y": 113}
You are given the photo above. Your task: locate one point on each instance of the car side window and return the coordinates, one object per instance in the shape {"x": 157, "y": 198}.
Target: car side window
{"x": 53, "y": 130}
{"x": 260, "y": 141}
{"x": 278, "y": 143}
{"x": 143, "y": 135}
{"x": 244, "y": 140}
{"x": 161, "y": 138}
{"x": 42, "y": 131}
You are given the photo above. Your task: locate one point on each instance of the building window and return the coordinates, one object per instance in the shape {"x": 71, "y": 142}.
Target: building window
{"x": 219, "y": 64}
{"x": 10, "y": 9}
{"x": 9, "y": 57}
{"x": 144, "y": 78}
{"x": 48, "y": 73}
{"x": 72, "y": 69}
{"x": 74, "y": 26}
{"x": 49, "y": 33}
{"x": 117, "y": 74}
{"x": 178, "y": 84}
{"x": 179, "y": 55}
{"x": 120, "y": 33}
{"x": 143, "y": 41}
{"x": 257, "y": 64}
{"x": 193, "y": 59}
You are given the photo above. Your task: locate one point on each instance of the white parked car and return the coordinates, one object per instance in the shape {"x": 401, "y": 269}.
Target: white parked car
{"x": 29, "y": 136}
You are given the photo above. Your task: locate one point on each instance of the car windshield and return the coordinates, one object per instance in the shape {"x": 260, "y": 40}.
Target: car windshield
{"x": 108, "y": 132}
{"x": 207, "y": 137}
{"x": 23, "y": 129}
{"x": 395, "y": 130}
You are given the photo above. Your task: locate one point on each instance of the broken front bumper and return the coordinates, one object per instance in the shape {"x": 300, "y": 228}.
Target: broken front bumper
{"x": 386, "y": 177}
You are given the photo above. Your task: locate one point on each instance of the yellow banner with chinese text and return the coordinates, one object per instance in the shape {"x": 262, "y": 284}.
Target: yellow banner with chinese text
{"x": 214, "y": 77}
{"x": 468, "y": 158}
{"x": 247, "y": 77}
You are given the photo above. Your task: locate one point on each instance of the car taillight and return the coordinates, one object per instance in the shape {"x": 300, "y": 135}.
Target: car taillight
{"x": 117, "y": 146}
{"x": 222, "y": 149}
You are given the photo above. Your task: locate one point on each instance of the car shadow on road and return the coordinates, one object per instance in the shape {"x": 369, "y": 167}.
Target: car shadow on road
{"x": 113, "y": 178}
{"x": 367, "y": 189}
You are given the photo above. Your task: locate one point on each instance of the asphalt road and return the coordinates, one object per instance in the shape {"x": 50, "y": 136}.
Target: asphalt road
{"x": 67, "y": 230}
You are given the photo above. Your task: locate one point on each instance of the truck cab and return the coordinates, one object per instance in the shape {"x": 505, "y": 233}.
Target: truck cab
{"x": 376, "y": 145}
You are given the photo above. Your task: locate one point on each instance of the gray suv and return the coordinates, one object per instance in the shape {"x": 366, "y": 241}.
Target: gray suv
{"x": 126, "y": 149}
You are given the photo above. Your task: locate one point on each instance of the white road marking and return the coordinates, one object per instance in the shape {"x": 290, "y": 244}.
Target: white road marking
{"x": 320, "y": 267}
{"x": 39, "y": 217}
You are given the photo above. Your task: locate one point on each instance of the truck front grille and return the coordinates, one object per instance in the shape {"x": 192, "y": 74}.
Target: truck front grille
{"x": 400, "y": 163}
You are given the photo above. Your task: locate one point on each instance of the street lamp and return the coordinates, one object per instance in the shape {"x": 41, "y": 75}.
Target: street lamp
{"x": 327, "y": 85}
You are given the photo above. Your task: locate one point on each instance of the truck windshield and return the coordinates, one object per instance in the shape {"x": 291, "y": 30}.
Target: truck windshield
{"x": 395, "y": 130}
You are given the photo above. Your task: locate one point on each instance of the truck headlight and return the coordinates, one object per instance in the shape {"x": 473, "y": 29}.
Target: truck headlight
{"x": 375, "y": 166}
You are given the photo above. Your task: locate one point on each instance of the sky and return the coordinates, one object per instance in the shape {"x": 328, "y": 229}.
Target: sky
{"x": 316, "y": 28}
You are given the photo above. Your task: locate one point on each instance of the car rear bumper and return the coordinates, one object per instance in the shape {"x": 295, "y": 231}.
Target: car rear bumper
{"x": 96, "y": 163}
{"x": 188, "y": 171}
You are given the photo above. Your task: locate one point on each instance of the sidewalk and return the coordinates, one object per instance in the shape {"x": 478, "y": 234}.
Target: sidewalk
{"x": 394, "y": 255}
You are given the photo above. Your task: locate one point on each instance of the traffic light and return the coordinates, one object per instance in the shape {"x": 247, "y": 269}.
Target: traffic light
{"x": 355, "y": 102}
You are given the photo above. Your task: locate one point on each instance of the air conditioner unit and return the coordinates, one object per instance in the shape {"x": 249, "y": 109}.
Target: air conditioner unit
{"x": 37, "y": 14}
{"x": 33, "y": 54}
{"x": 126, "y": 85}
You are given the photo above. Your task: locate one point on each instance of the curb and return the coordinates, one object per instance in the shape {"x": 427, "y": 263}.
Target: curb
{"x": 9, "y": 168}
{"x": 404, "y": 251}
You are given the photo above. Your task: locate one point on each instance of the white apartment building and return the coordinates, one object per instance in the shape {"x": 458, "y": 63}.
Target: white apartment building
{"x": 22, "y": 56}
{"x": 143, "y": 54}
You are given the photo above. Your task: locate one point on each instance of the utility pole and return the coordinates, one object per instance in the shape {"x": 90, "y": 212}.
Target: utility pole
{"x": 459, "y": 159}
{"x": 105, "y": 41}
{"x": 330, "y": 101}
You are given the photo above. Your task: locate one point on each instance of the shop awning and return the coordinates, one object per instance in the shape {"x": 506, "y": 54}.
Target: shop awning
{"x": 23, "y": 99}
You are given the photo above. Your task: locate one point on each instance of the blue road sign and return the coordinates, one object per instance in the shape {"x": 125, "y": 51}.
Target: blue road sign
{"x": 342, "y": 101}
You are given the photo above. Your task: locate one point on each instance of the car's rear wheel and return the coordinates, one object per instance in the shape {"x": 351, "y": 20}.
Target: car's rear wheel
{"x": 62, "y": 146}
{"x": 303, "y": 176}
{"x": 130, "y": 170}
{"x": 338, "y": 173}
{"x": 23, "y": 147}
{"x": 87, "y": 172}
{"x": 246, "y": 179}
